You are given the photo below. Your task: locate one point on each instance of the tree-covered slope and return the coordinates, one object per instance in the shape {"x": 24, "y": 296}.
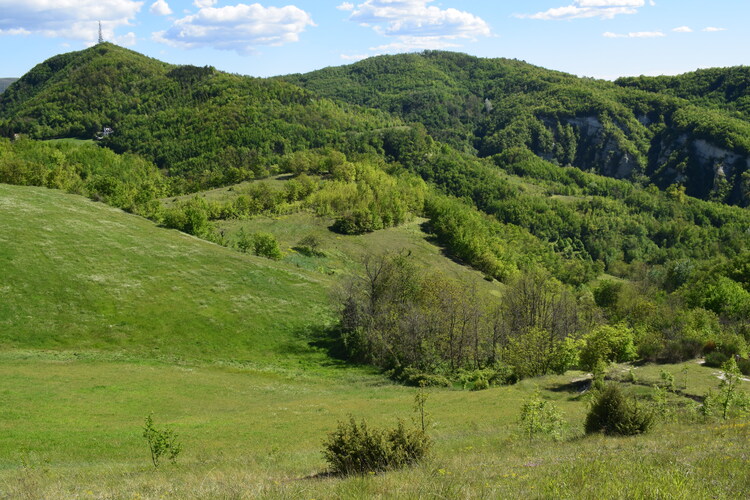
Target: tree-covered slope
{"x": 486, "y": 106}
{"x": 206, "y": 127}
{"x": 721, "y": 88}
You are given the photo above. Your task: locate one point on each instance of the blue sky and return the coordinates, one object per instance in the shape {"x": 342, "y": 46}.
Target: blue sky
{"x": 597, "y": 38}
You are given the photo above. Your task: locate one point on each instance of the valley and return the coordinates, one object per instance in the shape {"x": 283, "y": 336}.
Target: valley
{"x": 253, "y": 261}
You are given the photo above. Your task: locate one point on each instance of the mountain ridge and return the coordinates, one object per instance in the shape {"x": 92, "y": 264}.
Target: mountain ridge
{"x": 481, "y": 107}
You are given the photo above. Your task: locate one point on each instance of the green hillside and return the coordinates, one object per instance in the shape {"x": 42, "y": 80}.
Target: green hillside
{"x": 721, "y": 88}
{"x": 202, "y": 126}
{"x": 81, "y": 276}
{"x": 251, "y": 262}
{"x": 486, "y": 106}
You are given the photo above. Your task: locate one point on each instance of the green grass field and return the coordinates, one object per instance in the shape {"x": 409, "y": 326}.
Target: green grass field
{"x": 106, "y": 318}
{"x": 71, "y": 428}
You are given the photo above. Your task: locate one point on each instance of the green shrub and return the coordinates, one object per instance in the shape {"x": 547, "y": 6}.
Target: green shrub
{"x": 480, "y": 384}
{"x": 357, "y": 449}
{"x": 413, "y": 377}
{"x": 715, "y": 359}
{"x": 612, "y": 412}
{"x": 540, "y": 418}
{"x": 161, "y": 442}
{"x": 309, "y": 246}
{"x": 265, "y": 245}
{"x": 608, "y": 343}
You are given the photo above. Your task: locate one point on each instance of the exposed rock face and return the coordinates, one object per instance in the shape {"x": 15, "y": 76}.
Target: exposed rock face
{"x": 705, "y": 169}
{"x": 600, "y": 150}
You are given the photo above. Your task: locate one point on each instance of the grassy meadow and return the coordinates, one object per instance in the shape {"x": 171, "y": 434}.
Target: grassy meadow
{"x": 106, "y": 318}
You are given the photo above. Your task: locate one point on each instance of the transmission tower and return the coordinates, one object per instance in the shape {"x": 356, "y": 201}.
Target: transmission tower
{"x": 101, "y": 37}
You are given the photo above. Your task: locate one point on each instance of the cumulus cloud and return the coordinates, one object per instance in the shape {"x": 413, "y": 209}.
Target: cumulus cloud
{"x": 160, "y": 8}
{"x": 682, "y": 29}
{"x": 712, "y": 29}
{"x": 127, "y": 40}
{"x": 416, "y": 25}
{"x": 202, "y": 4}
{"x": 582, "y": 9}
{"x": 72, "y": 19}
{"x": 637, "y": 34}
{"x": 346, "y": 6}
{"x": 238, "y": 27}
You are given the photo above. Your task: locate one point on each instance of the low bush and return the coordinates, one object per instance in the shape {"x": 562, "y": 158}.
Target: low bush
{"x": 715, "y": 359}
{"x": 612, "y": 412}
{"x": 357, "y": 449}
{"x": 540, "y": 418}
{"x": 265, "y": 245}
{"x": 413, "y": 377}
{"x": 161, "y": 442}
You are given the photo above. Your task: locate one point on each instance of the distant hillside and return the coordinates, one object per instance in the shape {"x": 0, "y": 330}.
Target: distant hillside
{"x": 486, "y": 106}
{"x": 5, "y": 83}
{"x": 722, "y": 88}
{"x": 206, "y": 127}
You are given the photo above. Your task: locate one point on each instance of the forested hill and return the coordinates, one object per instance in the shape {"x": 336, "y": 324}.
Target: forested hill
{"x": 5, "y": 83}
{"x": 722, "y": 88}
{"x": 485, "y": 106}
{"x": 204, "y": 127}
{"x": 207, "y": 128}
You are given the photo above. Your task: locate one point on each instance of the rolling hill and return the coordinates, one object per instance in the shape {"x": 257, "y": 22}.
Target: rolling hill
{"x": 82, "y": 276}
{"x": 202, "y": 126}
{"x": 486, "y": 106}
{"x": 427, "y": 220}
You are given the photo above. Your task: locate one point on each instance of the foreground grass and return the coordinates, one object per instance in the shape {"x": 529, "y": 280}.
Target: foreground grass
{"x": 105, "y": 318}
{"x": 70, "y": 428}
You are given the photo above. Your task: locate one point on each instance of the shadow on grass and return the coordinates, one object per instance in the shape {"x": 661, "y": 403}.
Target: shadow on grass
{"x": 317, "y": 339}
{"x": 577, "y": 387}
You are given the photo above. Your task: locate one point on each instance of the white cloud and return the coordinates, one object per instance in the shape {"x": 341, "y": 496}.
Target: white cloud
{"x": 127, "y": 40}
{"x": 239, "y": 27}
{"x": 354, "y": 57}
{"x": 160, "y": 8}
{"x": 683, "y": 29}
{"x": 72, "y": 19}
{"x": 712, "y": 29}
{"x": 346, "y": 6}
{"x": 637, "y": 34}
{"x": 15, "y": 31}
{"x": 610, "y": 3}
{"x": 203, "y": 4}
{"x": 417, "y": 43}
{"x": 583, "y": 9}
{"x": 416, "y": 25}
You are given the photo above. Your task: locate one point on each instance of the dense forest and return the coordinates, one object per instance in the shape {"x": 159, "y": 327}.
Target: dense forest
{"x": 606, "y": 214}
{"x": 485, "y": 106}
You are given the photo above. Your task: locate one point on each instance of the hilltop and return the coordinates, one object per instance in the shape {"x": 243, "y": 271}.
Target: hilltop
{"x": 210, "y": 128}
{"x": 485, "y": 106}
{"x": 206, "y": 127}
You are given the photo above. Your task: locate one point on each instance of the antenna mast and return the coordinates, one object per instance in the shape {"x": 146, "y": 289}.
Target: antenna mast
{"x": 101, "y": 37}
